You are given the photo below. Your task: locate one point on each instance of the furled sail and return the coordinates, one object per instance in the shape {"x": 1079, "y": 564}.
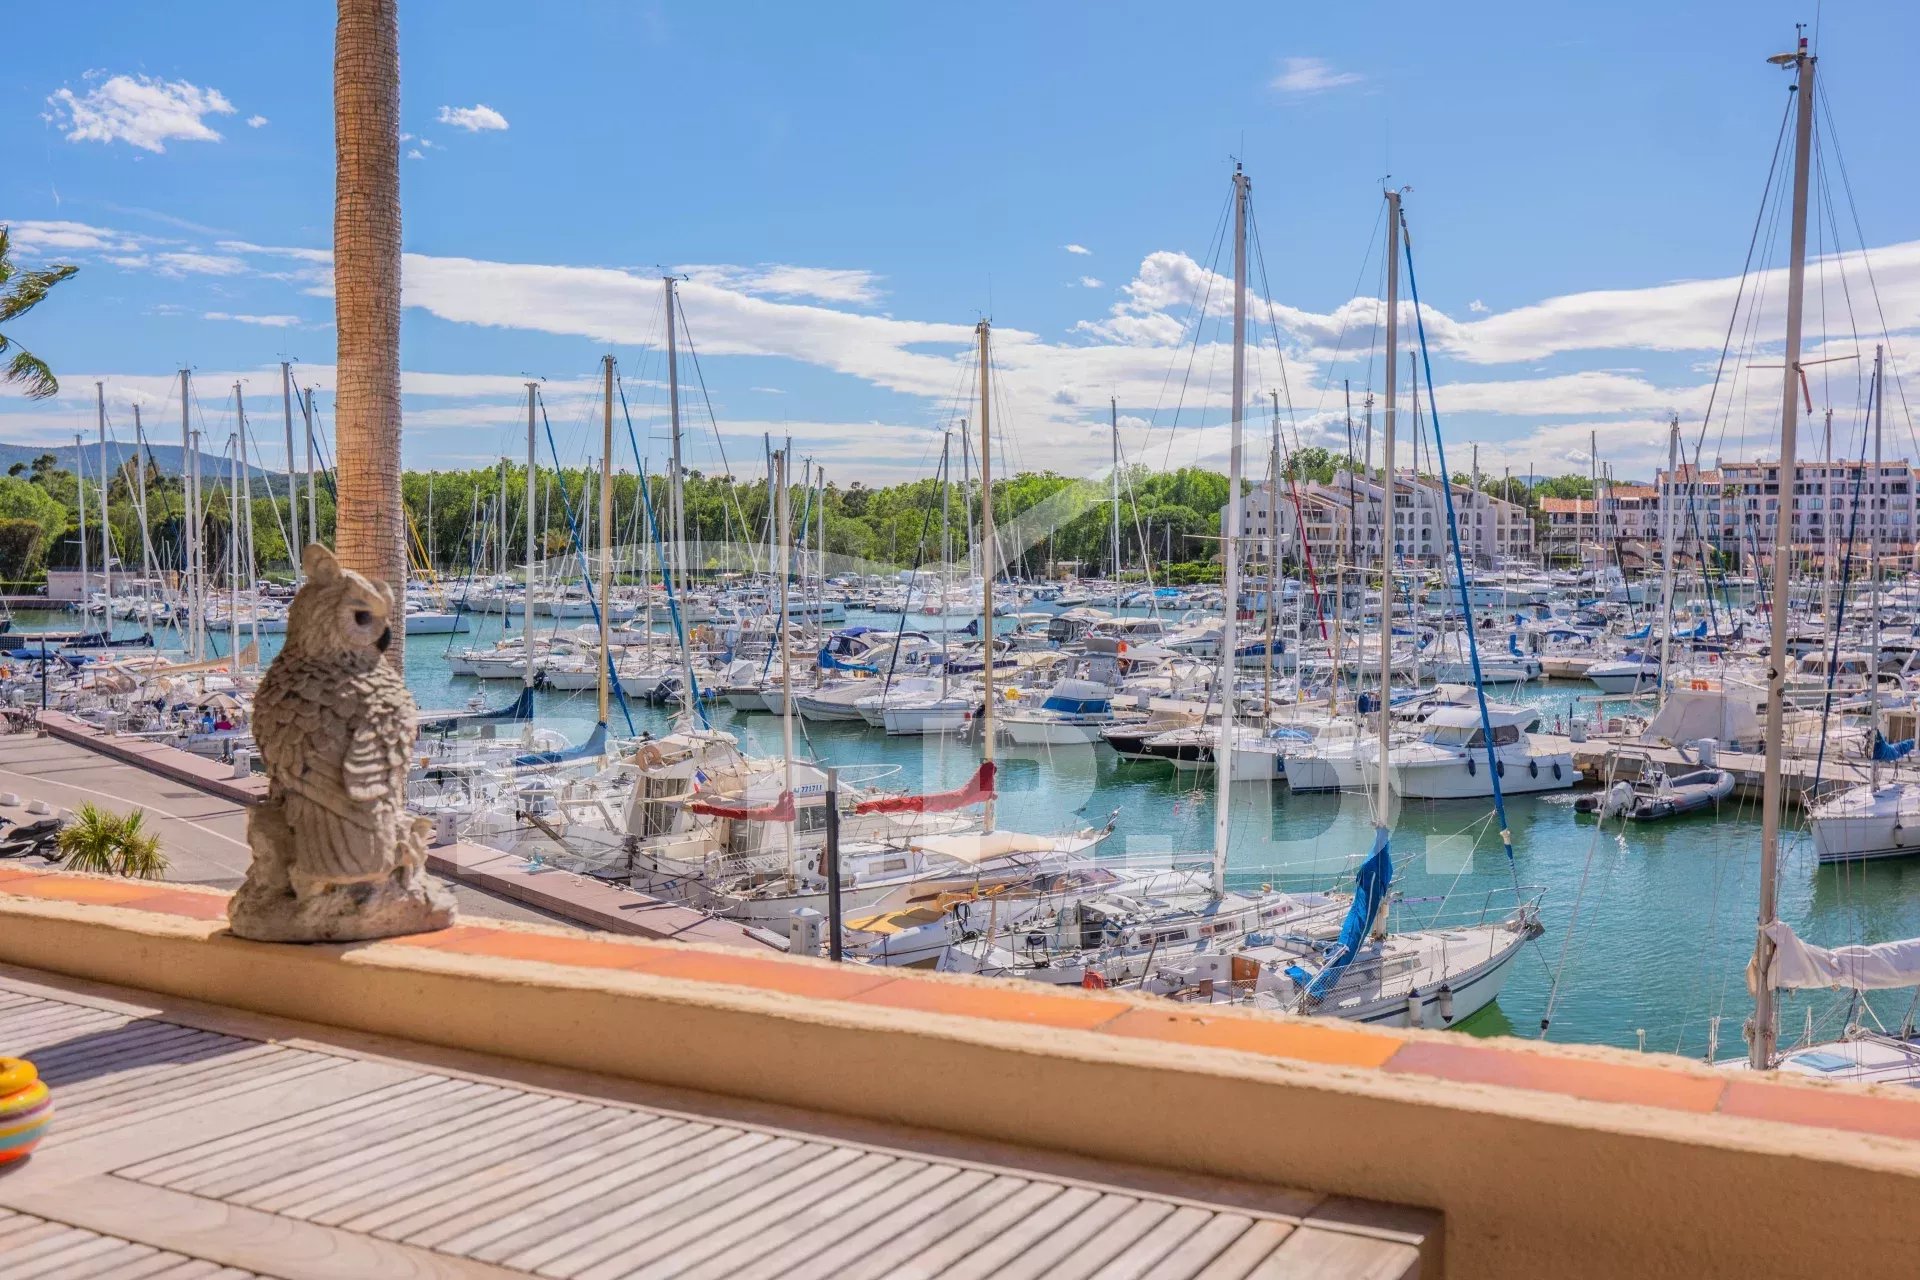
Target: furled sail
{"x": 1798, "y": 965}
{"x": 977, "y": 788}
{"x": 1369, "y": 893}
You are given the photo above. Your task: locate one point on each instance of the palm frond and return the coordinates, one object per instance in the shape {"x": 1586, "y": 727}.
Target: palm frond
{"x": 32, "y": 374}
{"x": 27, "y": 288}
{"x": 111, "y": 844}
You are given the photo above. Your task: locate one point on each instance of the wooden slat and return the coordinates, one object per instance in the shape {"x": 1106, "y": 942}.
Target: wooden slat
{"x": 160, "y": 1168}
{"x": 900, "y": 1214}
{"x": 422, "y": 1111}
{"x": 853, "y": 1187}
{"x": 1107, "y": 1242}
{"x": 1022, "y": 1234}
{"x": 377, "y": 1182}
{"x": 421, "y": 1139}
{"x": 1255, "y": 1245}
{"x": 947, "y": 1224}
{"x": 81, "y": 1254}
{"x": 277, "y": 1075}
{"x": 306, "y": 1134}
{"x": 719, "y": 1213}
{"x": 572, "y": 1200}
{"x": 1338, "y": 1255}
{"x": 1180, "y": 1246}
{"x": 558, "y": 1252}
{"x": 1060, "y": 1245}
{"x": 538, "y": 1161}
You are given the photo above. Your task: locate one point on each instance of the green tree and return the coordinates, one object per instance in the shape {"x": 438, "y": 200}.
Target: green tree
{"x": 20, "y": 292}
{"x": 21, "y": 545}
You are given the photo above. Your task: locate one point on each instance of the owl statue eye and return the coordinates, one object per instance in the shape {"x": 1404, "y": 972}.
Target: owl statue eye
{"x": 361, "y": 617}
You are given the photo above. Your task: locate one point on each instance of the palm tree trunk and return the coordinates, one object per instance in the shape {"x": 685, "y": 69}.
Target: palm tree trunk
{"x": 370, "y": 522}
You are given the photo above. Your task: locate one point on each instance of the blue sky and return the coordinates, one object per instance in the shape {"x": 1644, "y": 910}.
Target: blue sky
{"x": 849, "y": 187}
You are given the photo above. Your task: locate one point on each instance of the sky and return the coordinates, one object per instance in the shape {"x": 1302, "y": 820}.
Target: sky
{"x": 843, "y": 191}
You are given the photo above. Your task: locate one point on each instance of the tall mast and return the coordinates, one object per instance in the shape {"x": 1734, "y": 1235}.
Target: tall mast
{"x": 1666, "y": 555}
{"x": 140, "y": 492}
{"x": 294, "y": 545}
{"x": 504, "y": 464}
{"x": 1388, "y": 421}
{"x": 1230, "y": 547}
{"x": 313, "y": 503}
{"x": 80, "y": 501}
{"x": 106, "y": 528}
{"x": 1875, "y": 516}
{"x": 986, "y": 565}
{"x": 526, "y": 630}
{"x": 190, "y": 527}
{"x": 966, "y": 493}
{"x": 233, "y": 545}
{"x": 677, "y": 492}
{"x": 1273, "y": 551}
{"x": 246, "y": 510}
{"x": 780, "y": 639}
{"x": 1764, "y": 1033}
{"x": 946, "y": 546}
{"x": 606, "y": 536}
{"x": 1113, "y": 420}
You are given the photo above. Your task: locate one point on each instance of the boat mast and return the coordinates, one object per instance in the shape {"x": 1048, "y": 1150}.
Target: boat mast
{"x": 293, "y": 488}
{"x": 246, "y": 506}
{"x": 606, "y": 535}
{"x": 1388, "y": 420}
{"x": 1113, "y": 421}
{"x": 946, "y": 549}
{"x": 1273, "y": 552}
{"x": 233, "y": 545}
{"x": 1873, "y": 561}
{"x": 677, "y": 493}
{"x": 188, "y": 529}
{"x": 986, "y": 565}
{"x": 80, "y": 501}
{"x": 1230, "y": 546}
{"x": 1666, "y": 555}
{"x": 786, "y": 650}
{"x": 1763, "y": 1033}
{"x": 526, "y": 629}
{"x": 140, "y": 497}
{"x": 106, "y": 527}
{"x": 313, "y": 505}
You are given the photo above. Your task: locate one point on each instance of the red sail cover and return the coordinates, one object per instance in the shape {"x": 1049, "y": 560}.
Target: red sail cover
{"x": 780, "y": 810}
{"x": 978, "y": 788}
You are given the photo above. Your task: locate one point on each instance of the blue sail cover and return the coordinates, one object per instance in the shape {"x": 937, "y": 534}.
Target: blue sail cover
{"x": 1369, "y": 891}
{"x": 596, "y": 744}
{"x": 1513, "y": 644}
{"x": 1886, "y": 752}
{"x": 830, "y": 661}
{"x": 1642, "y": 633}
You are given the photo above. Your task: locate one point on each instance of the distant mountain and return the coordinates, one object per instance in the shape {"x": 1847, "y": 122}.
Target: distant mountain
{"x": 170, "y": 458}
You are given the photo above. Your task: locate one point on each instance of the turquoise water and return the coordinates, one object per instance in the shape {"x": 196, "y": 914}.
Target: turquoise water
{"x": 1647, "y": 931}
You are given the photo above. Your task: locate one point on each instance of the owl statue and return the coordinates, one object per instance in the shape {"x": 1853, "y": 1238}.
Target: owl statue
{"x": 336, "y": 856}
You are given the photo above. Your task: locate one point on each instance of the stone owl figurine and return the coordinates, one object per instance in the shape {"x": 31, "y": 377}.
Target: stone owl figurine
{"x": 336, "y": 856}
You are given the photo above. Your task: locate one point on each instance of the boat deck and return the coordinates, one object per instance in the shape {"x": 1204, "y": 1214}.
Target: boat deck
{"x": 194, "y": 1141}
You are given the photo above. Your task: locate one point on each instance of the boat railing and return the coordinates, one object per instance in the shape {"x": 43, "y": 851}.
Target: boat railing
{"x": 1464, "y": 908}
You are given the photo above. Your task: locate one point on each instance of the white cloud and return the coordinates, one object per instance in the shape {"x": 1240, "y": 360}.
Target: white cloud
{"x": 49, "y": 237}
{"x": 269, "y": 322}
{"x": 205, "y": 264}
{"x": 777, "y": 280}
{"x": 145, "y": 111}
{"x": 1088, "y": 282}
{"x": 1303, "y": 76}
{"x": 1077, "y": 248}
{"x": 1478, "y": 307}
{"x": 473, "y": 119}
{"x": 255, "y": 122}
{"x": 413, "y": 153}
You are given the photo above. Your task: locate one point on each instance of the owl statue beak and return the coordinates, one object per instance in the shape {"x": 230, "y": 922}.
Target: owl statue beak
{"x": 386, "y": 638}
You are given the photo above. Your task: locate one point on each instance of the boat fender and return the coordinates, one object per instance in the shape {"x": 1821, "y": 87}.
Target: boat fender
{"x": 1556, "y": 771}
{"x": 1471, "y": 770}
{"x": 1500, "y": 768}
{"x": 1533, "y": 768}
{"x": 1445, "y": 1003}
{"x": 1416, "y": 1008}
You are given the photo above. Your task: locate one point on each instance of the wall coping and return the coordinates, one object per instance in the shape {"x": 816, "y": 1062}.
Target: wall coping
{"x": 1638, "y": 1153}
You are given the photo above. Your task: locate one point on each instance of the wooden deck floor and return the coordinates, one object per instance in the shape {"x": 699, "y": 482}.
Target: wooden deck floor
{"x": 191, "y": 1141}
